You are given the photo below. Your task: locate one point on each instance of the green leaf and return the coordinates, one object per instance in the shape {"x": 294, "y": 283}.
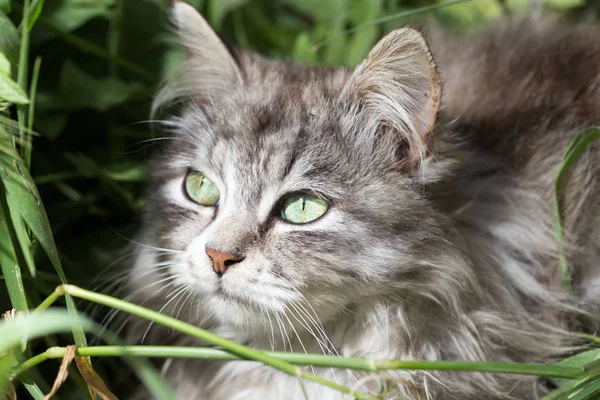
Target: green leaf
{"x": 585, "y": 389}
{"x": 50, "y": 123}
{"x": 24, "y": 241}
{"x": 218, "y": 9}
{"x": 472, "y": 12}
{"x": 88, "y": 167}
{"x": 588, "y": 391}
{"x": 5, "y": 6}
{"x": 78, "y": 90}
{"x": 4, "y": 65}
{"x": 8, "y": 259}
{"x": 582, "y": 359}
{"x": 10, "y": 91}
{"x": 331, "y": 19}
{"x": 16, "y": 219}
{"x": 89, "y": 47}
{"x": 68, "y": 15}
{"x": 83, "y": 90}
{"x": 318, "y": 9}
{"x": 38, "y": 324}
{"x": 9, "y": 39}
{"x": 24, "y": 200}
{"x": 32, "y": 387}
{"x": 127, "y": 172}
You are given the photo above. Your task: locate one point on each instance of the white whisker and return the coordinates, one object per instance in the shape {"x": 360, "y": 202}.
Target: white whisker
{"x": 174, "y": 294}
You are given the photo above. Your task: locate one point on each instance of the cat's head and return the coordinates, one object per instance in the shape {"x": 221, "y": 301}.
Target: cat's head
{"x": 288, "y": 187}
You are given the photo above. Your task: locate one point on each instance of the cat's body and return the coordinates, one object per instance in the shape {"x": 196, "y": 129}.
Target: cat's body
{"x": 438, "y": 241}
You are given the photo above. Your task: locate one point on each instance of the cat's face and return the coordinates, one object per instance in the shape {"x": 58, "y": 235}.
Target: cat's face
{"x": 308, "y": 193}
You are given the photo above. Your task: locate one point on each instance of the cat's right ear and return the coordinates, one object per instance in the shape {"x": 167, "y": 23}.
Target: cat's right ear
{"x": 398, "y": 88}
{"x": 210, "y": 67}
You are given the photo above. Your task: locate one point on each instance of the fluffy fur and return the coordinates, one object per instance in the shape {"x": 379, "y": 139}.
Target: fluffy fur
{"x": 438, "y": 243}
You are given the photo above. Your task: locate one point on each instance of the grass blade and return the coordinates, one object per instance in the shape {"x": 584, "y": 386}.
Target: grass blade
{"x": 31, "y": 386}
{"x": 24, "y": 200}
{"x": 22, "y": 71}
{"x": 31, "y": 111}
{"x": 34, "y": 383}
{"x": 8, "y": 258}
{"x": 580, "y": 143}
{"x": 35, "y": 12}
{"x": 196, "y": 332}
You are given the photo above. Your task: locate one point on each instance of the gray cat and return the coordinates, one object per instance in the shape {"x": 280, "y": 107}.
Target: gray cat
{"x": 402, "y": 210}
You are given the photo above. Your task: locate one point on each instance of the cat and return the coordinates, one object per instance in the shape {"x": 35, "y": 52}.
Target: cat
{"x": 402, "y": 210}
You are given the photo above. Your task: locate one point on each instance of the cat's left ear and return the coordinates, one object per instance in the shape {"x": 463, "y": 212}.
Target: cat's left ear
{"x": 210, "y": 68}
{"x": 398, "y": 88}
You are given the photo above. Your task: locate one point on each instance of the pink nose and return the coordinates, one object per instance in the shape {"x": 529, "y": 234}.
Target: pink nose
{"x": 221, "y": 261}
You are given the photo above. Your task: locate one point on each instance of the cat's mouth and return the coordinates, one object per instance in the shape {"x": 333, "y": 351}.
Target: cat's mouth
{"x": 221, "y": 293}
{"x": 249, "y": 299}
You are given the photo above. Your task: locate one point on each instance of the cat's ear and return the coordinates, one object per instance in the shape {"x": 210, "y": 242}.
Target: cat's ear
{"x": 398, "y": 88}
{"x": 210, "y": 67}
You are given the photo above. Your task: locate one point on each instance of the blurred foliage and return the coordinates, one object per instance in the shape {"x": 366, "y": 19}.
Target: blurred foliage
{"x": 102, "y": 61}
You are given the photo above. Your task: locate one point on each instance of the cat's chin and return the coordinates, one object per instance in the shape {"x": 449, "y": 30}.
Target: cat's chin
{"x": 236, "y": 312}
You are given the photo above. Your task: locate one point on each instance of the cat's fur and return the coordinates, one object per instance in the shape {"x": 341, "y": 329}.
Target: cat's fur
{"x": 438, "y": 244}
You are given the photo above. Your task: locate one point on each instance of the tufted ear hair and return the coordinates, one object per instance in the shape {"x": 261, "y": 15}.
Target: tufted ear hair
{"x": 398, "y": 88}
{"x": 209, "y": 69}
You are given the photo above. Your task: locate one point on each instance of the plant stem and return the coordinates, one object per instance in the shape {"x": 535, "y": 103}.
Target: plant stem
{"x": 317, "y": 360}
{"x": 22, "y": 71}
{"x": 58, "y": 293}
{"x": 30, "y": 112}
{"x": 244, "y": 352}
{"x": 35, "y": 360}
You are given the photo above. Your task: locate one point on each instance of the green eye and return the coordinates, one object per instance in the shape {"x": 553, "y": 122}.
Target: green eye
{"x": 201, "y": 189}
{"x": 300, "y": 208}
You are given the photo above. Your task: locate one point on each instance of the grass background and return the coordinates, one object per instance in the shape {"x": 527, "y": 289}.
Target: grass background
{"x": 101, "y": 61}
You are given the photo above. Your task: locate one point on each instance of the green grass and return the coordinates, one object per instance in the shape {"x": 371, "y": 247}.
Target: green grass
{"x": 76, "y": 77}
